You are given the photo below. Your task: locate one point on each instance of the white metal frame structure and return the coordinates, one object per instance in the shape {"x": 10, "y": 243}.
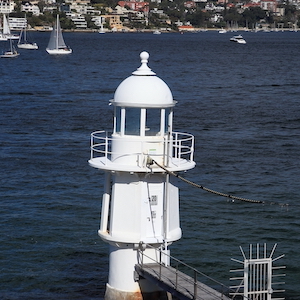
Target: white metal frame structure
{"x": 258, "y": 274}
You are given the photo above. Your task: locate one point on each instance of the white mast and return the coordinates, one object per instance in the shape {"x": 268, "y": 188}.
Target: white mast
{"x": 57, "y": 31}
{"x": 140, "y": 204}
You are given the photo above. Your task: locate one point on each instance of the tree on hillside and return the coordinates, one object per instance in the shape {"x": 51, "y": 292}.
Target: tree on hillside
{"x": 253, "y": 15}
{"x": 106, "y": 3}
{"x": 198, "y": 19}
{"x": 232, "y": 15}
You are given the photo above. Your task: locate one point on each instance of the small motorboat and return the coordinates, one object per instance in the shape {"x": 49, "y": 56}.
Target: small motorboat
{"x": 156, "y": 31}
{"x": 238, "y": 39}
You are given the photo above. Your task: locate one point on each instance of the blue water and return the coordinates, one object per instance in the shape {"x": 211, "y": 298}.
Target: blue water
{"x": 240, "y": 101}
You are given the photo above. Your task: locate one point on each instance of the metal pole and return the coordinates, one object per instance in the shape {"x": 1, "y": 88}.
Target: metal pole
{"x": 159, "y": 264}
{"x": 176, "y": 275}
{"x": 195, "y": 284}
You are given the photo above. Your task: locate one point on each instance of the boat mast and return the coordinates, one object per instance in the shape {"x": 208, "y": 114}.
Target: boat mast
{"x": 24, "y": 30}
{"x": 57, "y": 21}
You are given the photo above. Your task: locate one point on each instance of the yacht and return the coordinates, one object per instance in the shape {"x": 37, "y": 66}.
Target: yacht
{"x": 238, "y": 39}
{"x": 222, "y": 30}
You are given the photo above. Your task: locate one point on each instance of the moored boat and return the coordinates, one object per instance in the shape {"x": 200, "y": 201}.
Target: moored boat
{"x": 56, "y": 43}
{"x": 12, "y": 52}
{"x": 156, "y": 31}
{"x": 6, "y": 33}
{"x": 23, "y": 43}
{"x": 222, "y": 30}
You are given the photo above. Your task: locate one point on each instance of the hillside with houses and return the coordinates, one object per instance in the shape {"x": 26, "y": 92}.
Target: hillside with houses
{"x": 123, "y": 16}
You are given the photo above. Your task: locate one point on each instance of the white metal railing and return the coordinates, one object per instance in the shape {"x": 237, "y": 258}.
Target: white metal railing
{"x": 193, "y": 275}
{"x": 256, "y": 283}
{"x": 179, "y": 145}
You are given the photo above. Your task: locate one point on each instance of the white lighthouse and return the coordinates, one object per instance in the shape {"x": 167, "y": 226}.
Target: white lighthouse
{"x": 140, "y": 204}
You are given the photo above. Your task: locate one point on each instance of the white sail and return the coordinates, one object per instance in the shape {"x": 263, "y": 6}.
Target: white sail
{"x": 56, "y": 43}
{"x": 6, "y": 34}
{"x": 23, "y": 43}
{"x": 6, "y": 30}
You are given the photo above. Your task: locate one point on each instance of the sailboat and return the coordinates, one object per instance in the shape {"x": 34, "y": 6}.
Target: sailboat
{"x": 23, "y": 42}
{"x": 56, "y": 43}
{"x": 12, "y": 52}
{"x": 101, "y": 29}
{"x": 6, "y": 34}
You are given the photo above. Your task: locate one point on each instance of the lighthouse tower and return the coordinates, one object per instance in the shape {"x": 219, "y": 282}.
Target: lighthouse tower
{"x": 140, "y": 204}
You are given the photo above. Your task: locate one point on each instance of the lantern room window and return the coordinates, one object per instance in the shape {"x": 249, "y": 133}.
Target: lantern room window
{"x": 117, "y": 120}
{"x": 142, "y": 122}
{"x": 132, "y": 121}
{"x": 153, "y": 122}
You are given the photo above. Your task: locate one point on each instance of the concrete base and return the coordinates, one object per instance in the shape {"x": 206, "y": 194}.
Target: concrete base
{"x": 113, "y": 294}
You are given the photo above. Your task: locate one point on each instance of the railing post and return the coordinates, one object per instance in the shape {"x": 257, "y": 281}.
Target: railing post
{"x": 142, "y": 254}
{"x": 195, "y": 284}
{"x": 92, "y": 139}
{"x": 222, "y": 292}
{"x": 192, "y": 150}
{"x": 176, "y": 277}
{"x": 176, "y": 145}
{"x": 180, "y": 146}
{"x": 106, "y": 147}
{"x": 159, "y": 264}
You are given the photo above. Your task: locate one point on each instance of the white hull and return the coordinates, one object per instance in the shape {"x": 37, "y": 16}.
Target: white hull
{"x": 33, "y": 46}
{"x": 59, "y": 51}
{"x": 9, "y": 54}
{"x": 238, "y": 39}
{"x": 13, "y": 37}
{"x": 4, "y": 37}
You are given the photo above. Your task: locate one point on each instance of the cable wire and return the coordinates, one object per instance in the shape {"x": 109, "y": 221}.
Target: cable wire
{"x": 151, "y": 161}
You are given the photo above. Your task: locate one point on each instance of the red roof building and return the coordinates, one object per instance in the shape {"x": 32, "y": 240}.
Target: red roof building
{"x": 190, "y": 4}
{"x": 186, "y": 28}
{"x": 136, "y": 6}
{"x": 269, "y": 5}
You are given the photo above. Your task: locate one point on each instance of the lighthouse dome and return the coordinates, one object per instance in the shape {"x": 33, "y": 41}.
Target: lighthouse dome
{"x": 143, "y": 89}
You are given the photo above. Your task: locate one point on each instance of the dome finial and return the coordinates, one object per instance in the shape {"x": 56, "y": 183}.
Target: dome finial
{"x": 144, "y": 69}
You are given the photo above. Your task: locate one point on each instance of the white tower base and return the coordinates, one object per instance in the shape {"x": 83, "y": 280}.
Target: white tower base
{"x": 114, "y": 294}
{"x": 122, "y": 284}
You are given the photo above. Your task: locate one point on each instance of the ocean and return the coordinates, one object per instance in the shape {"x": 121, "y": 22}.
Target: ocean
{"x": 242, "y": 104}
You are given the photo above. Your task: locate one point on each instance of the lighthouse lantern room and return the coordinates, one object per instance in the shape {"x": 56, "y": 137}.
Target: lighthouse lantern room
{"x": 140, "y": 204}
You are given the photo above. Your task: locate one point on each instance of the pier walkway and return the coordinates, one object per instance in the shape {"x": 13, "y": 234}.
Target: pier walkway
{"x": 181, "y": 285}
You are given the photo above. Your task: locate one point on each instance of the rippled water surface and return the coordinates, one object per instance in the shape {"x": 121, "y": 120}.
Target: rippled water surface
{"x": 240, "y": 101}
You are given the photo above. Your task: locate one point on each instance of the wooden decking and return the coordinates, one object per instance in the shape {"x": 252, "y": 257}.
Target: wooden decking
{"x": 177, "y": 283}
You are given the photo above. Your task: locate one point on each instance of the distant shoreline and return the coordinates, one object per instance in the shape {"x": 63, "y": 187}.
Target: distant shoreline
{"x": 196, "y": 30}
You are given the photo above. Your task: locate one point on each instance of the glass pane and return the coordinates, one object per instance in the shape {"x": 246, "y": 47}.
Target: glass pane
{"x": 152, "y": 121}
{"x": 118, "y": 119}
{"x": 132, "y": 121}
{"x": 168, "y": 110}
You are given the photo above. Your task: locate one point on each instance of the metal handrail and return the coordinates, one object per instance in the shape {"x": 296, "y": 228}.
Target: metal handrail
{"x": 196, "y": 273}
{"x": 182, "y": 145}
